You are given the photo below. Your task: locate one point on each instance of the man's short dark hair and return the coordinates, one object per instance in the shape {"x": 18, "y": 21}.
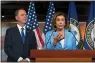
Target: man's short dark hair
{"x": 16, "y": 13}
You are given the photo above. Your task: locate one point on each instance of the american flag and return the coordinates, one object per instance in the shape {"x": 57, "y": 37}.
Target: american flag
{"x": 32, "y": 23}
{"x": 48, "y": 23}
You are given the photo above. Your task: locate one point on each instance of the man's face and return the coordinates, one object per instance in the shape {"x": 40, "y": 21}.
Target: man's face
{"x": 21, "y": 17}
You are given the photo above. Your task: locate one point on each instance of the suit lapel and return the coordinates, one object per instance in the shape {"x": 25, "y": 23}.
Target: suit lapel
{"x": 18, "y": 34}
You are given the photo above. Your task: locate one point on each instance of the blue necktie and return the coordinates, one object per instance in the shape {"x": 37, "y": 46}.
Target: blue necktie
{"x": 22, "y": 34}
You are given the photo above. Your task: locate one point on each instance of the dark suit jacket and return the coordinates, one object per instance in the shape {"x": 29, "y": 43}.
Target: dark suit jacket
{"x": 14, "y": 46}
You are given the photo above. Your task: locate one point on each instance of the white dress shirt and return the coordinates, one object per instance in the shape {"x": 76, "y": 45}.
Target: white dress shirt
{"x": 62, "y": 43}
{"x": 19, "y": 27}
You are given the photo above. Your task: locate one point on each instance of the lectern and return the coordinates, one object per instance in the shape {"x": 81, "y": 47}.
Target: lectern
{"x": 62, "y": 55}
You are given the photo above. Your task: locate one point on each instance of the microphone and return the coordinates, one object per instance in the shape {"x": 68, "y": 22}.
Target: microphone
{"x": 50, "y": 37}
{"x": 73, "y": 34}
{"x": 76, "y": 38}
{"x": 94, "y": 42}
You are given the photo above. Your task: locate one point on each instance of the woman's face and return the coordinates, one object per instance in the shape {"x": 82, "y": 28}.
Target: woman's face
{"x": 60, "y": 22}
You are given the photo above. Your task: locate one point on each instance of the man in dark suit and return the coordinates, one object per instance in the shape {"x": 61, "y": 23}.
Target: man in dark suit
{"x": 19, "y": 40}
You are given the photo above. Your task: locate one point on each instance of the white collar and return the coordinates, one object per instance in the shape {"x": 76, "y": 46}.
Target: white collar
{"x": 19, "y": 27}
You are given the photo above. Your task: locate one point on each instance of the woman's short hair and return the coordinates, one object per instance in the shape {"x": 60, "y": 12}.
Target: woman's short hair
{"x": 54, "y": 20}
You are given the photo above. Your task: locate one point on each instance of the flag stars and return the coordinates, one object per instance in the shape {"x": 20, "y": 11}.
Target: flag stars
{"x": 33, "y": 15}
{"x": 29, "y": 6}
{"x": 48, "y": 19}
{"x": 50, "y": 24}
{"x": 29, "y": 16}
{"x": 51, "y": 10}
{"x": 28, "y": 23}
{"x": 27, "y": 26}
{"x": 32, "y": 7}
{"x": 49, "y": 16}
{"x": 31, "y": 21}
{"x": 32, "y": 4}
{"x": 30, "y": 13}
{"x": 28, "y": 19}
{"x": 52, "y": 4}
{"x": 46, "y": 26}
{"x": 51, "y": 7}
{"x": 33, "y": 26}
{"x": 34, "y": 23}
{"x": 49, "y": 27}
{"x": 50, "y": 13}
{"x": 37, "y": 24}
{"x": 34, "y": 12}
{"x": 47, "y": 23}
{"x": 31, "y": 10}
{"x": 32, "y": 18}
{"x": 35, "y": 19}
{"x": 45, "y": 29}
{"x": 30, "y": 27}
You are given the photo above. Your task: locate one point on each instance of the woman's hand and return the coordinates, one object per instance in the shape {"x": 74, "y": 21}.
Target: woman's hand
{"x": 59, "y": 37}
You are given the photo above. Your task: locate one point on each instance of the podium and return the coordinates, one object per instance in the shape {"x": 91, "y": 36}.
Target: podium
{"x": 62, "y": 55}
